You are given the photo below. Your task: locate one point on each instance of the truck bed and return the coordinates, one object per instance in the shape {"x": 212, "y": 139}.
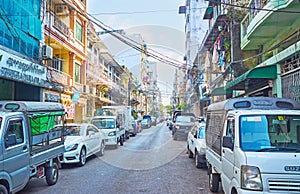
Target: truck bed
{"x": 46, "y": 146}
{"x": 214, "y": 159}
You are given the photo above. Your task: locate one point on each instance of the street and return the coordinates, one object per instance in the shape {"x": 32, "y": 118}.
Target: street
{"x": 151, "y": 162}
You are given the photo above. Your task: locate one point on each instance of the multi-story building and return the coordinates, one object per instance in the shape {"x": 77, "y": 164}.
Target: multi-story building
{"x": 98, "y": 83}
{"x": 195, "y": 31}
{"x": 22, "y": 74}
{"x": 65, "y": 36}
{"x": 270, "y": 30}
{"x": 263, "y": 52}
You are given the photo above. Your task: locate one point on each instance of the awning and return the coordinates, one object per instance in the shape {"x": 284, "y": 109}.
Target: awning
{"x": 253, "y": 78}
{"x": 220, "y": 91}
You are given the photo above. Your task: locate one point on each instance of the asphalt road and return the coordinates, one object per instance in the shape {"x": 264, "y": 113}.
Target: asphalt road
{"x": 151, "y": 162}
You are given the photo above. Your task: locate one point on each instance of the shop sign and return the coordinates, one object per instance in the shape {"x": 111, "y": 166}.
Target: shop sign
{"x": 51, "y": 97}
{"x": 76, "y": 97}
{"x": 16, "y": 68}
{"x": 70, "y": 112}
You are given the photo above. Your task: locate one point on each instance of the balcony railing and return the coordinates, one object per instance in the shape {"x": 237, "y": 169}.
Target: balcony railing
{"x": 54, "y": 22}
{"x": 60, "y": 25}
{"x": 59, "y": 76}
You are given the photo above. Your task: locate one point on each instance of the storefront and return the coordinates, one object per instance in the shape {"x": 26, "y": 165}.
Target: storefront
{"x": 21, "y": 79}
{"x": 255, "y": 82}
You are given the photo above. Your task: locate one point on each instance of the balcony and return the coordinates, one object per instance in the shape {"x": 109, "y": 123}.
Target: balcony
{"x": 57, "y": 26}
{"x": 59, "y": 77}
{"x": 268, "y": 22}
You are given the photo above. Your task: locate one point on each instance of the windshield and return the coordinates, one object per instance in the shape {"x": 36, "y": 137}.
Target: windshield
{"x": 270, "y": 132}
{"x": 74, "y": 130}
{"x": 201, "y": 134}
{"x": 183, "y": 118}
{"x": 104, "y": 123}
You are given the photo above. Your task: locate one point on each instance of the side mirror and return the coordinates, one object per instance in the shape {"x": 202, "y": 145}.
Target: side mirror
{"x": 195, "y": 136}
{"x": 227, "y": 142}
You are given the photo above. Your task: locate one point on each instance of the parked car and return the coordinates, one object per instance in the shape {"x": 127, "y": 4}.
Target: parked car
{"x": 182, "y": 125}
{"x": 196, "y": 145}
{"x": 82, "y": 140}
{"x": 145, "y": 123}
{"x": 169, "y": 120}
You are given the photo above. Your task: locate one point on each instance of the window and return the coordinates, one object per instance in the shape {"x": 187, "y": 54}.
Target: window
{"x": 78, "y": 31}
{"x": 14, "y": 134}
{"x": 230, "y": 127}
{"x": 77, "y": 73}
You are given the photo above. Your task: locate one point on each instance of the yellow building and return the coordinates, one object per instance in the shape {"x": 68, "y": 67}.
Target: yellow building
{"x": 65, "y": 37}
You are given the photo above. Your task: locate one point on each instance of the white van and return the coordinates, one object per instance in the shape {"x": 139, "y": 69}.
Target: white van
{"x": 253, "y": 145}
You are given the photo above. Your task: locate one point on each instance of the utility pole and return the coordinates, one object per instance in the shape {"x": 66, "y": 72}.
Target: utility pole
{"x": 129, "y": 88}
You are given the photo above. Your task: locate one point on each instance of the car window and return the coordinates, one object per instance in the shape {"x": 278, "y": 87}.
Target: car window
{"x": 104, "y": 123}
{"x": 201, "y": 134}
{"x": 14, "y": 134}
{"x": 185, "y": 119}
{"x": 73, "y": 131}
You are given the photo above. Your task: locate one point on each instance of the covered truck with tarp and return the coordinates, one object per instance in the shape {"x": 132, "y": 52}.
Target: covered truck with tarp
{"x": 29, "y": 146}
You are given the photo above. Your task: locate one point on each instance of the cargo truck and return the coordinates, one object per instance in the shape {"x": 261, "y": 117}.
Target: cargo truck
{"x": 29, "y": 147}
{"x": 115, "y": 122}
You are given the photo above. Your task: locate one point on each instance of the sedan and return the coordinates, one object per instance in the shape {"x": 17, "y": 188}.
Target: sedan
{"x": 196, "y": 145}
{"x": 82, "y": 140}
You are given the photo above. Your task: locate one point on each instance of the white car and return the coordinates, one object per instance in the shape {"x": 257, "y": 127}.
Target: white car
{"x": 196, "y": 145}
{"x": 81, "y": 141}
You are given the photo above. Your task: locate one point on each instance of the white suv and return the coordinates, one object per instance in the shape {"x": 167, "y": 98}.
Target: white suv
{"x": 196, "y": 145}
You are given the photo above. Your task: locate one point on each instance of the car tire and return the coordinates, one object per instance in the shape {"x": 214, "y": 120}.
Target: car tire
{"x": 213, "y": 180}
{"x": 3, "y": 189}
{"x": 82, "y": 157}
{"x": 52, "y": 174}
{"x": 197, "y": 160}
{"x": 121, "y": 140}
{"x": 191, "y": 155}
{"x": 102, "y": 147}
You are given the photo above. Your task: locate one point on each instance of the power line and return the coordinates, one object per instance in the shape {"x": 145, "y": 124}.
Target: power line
{"x": 134, "y": 44}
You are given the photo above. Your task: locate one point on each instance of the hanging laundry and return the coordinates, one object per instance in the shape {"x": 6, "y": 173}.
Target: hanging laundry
{"x": 215, "y": 56}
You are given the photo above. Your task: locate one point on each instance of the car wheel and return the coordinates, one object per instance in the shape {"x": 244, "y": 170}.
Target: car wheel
{"x": 102, "y": 147}
{"x": 121, "y": 140}
{"x": 213, "y": 180}
{"x": 3, "y": 189}
{"x": 191, "y": 155}
{"x": 197, "y": 160}
{"x": 52, "y": 174}
{"x": 82, "y": 158}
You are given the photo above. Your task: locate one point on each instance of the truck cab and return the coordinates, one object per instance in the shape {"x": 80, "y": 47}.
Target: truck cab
{"x": 110, "y": 128}
{"x": 253, "y": 145}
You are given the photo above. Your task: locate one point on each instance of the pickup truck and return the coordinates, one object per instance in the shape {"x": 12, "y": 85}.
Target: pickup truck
{"x": 29, "y": 148}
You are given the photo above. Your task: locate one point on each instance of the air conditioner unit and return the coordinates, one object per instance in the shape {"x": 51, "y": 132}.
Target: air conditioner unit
{"x": 61, "y": 9}
{"x": 86, "y": 89}
{"x": 47, "y": 52}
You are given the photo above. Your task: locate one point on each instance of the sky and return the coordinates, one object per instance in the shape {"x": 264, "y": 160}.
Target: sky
{"x": 123, "y": 14}
{"x": 157, "y": 21}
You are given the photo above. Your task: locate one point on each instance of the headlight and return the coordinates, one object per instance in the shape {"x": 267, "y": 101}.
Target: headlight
{"x": 113, "y": 133}
{"x": 202, "y": 151}
{"x": 177, "y": 127}
{"x": 71, "y": 147}
{"x": 251, "y": 178}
